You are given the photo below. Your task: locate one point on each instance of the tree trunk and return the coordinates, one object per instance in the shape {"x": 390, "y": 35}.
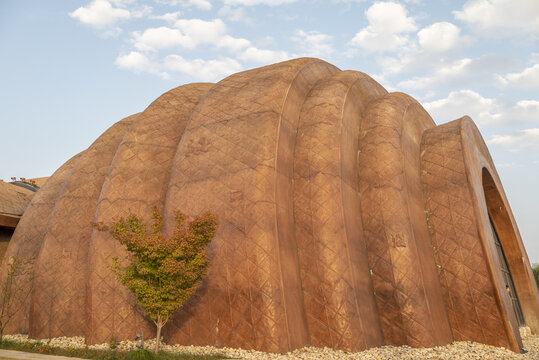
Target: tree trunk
{"x": 158, "y": 337}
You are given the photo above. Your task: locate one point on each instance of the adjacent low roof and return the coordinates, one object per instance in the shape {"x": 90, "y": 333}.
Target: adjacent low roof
{"x": 14, "y": 199}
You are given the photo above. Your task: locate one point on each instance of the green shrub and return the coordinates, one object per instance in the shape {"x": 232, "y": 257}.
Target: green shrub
{"x": 140, "y": 355}
{"x": 535, "y": 269}
{"x": 113, "y": 343}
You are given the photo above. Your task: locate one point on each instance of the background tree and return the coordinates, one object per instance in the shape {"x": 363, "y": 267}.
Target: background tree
{"x": 535, "y": 269}
{"x": 162, "y": 272}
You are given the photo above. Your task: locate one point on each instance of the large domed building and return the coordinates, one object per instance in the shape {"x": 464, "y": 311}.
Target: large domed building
{"x": 347, "y": 219}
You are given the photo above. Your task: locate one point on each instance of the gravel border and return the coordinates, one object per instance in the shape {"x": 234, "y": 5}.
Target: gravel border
{"x": 462, "y": 350}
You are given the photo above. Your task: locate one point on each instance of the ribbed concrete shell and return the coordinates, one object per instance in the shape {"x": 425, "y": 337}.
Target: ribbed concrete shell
{"x": 347, "y": 219}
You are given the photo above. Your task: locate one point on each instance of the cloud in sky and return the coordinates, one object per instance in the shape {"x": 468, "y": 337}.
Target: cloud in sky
{"x": 313, "y": 43}
{"x": 171, "y": 17}
{"x": 200, "y": 31}
{"x": 460, "y": 73}
{"x": 188, "y": 34}
{"x": 527, "y": 139}
{"x": 441, "y": 36}
{"x": 486, "y": 112}
{"x": 235, "y": 14}
{"x": 263, "y": 56}
{"x": 257, "y": 2}
{"x": 526, "y": 79}
{"x": 134, "y": 61}
{"x": 498, "y": 17}
{"x": 208, "y": 70}
{"x": 140, "y": 63}
{"x": 100, "y": 14}
{"x": 388, "y": 25}
{"x": 154, "y": 39}
{"x": 200, "y": 4}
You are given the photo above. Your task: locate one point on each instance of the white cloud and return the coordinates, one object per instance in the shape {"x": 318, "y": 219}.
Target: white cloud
{"x": 460, "y": 103}
{"x": 154, "y": 39}
{"x": 347, "y": 1}
{"x": 169, "y": 2}
{"x": 201, "y": 4}
{"x": 122, "y": 3}
{"x": 460, "y": 73}
{"x": 168, "y": 17}
{"x": 139, "y": 63}
{"x": 141, "y": 11}
{"x": 257, "y": 2}
{"x": 232, "y": 43}
{"x": 484, "y": 111}
{"x": 527, "y": 79}
{"x": 133, "y": 61}
{"x": 527, "y": 139}
{"x": 188, "y": 33}
{"x": 234, "y": 13}
{"x": 496, "y": 17}
{"x": 456, "y": 69}
{"x": 207, "y": 70}
{"x": 262, "y": 56}
{"x": 440, "y": 37}
{"x": 201, "y": 31}
{"x": 388, "y": 23}
{"x": 100, "y": 14}
{"x": 313, "y": 43}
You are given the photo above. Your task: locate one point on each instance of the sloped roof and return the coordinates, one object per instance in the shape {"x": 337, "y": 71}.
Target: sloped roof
{"x": 14, "y": 199}
{"x": 39, "y": 182}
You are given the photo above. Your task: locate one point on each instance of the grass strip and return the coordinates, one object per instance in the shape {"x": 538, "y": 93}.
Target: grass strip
{"x": 110, "y": 354}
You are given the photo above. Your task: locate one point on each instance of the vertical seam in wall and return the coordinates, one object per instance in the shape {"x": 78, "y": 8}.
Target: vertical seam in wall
{"x": 429, "y": 237}
{"x": 38, "y": 257}
{"x": 411, "y": 228}
{"x": 94, "y": 231}
{"x": 173, "y": 162}
{"x": 275, "y": 178}
{"x": 347, "y": 239}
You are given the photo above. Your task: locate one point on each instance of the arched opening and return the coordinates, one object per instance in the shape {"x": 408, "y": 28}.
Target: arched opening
{"x": 509, "y": 252}
{"x": 507, "y": 276}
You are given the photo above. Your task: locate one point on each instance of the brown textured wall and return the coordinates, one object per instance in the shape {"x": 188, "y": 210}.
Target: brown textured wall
{"x": 407, "y": 295}
{"x": 337, "y": 287}
{"x": 60, "y": 269}
{"x": 28, "y": 236}
{"x": 346, "y": 219}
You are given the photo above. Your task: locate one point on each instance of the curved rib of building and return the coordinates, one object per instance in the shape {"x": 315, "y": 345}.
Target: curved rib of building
{"x": 347, "y": 219}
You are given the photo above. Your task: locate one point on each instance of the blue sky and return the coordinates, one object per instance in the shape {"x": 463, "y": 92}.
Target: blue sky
{"x": 70, "y": 69}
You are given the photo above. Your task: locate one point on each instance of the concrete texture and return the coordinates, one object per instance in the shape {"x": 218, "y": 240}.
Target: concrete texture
{"x": 347, "y": 219}
{"x": 21, "y": 355}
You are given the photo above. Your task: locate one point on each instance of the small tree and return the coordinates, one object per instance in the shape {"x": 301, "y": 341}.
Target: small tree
{"x": 162, "y": 272}
{"x": 535, "y": 269}
{"x": 14, "y": 290}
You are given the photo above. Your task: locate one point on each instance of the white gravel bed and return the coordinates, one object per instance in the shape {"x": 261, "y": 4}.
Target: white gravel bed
{"x": 459, "y": 350}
